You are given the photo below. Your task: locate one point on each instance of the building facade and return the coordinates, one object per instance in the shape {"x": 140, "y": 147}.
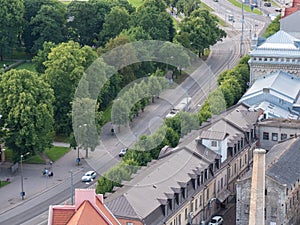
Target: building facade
{"x": 272, "y": 131}
{"x": 282, "y": 186}
{"x": 281, "y": 51}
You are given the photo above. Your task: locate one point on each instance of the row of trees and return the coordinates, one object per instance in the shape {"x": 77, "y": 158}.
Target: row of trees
{"x": 95, "y": 22}
{"x": 64, "y": 38}
{"x": 148, "y": 147}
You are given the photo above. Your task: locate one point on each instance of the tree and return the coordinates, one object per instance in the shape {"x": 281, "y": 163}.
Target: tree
{"x": 154, "y": 19}
{"x": 26, "y": 106}
{"x": 48, "y": 25}
{"x": 199, "y": 31}
{"x": 64, "y": 68}
{"x": 85, "y": 20}
{"x": 11, "y": 18}
{"x": 42, "y": 56}
{"x": 187, "y": 6}
{"x": 114, "y": 22}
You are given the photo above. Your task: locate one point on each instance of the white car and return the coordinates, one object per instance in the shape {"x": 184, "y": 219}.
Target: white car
{"x": 88, "y": 176}
{"x": 123, "y": 152}
{"x": 216, "y": 220}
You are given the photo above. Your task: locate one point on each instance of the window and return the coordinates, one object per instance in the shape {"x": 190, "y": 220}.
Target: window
{"x": 274, "y": 137}
{"x": 192, "y": 207}
{"x": 246, "y": 159}
{"x": 283, "y": 136}
{"x": 129, "y": 223}
{"x": 179, "y": 219}
{"x": 196, "y": 204}
{"x": 240, "y": 163}
{"x": 207, "y": 194}
{"x": 171, "y": 223}
{"x": 265, "y": 136}
{"x": 200, "y": 200}
{"x": 185, "y": 214}
{"x": 222, "y": 183}
{"x": 214, "y": 143}
{"x": 235, "y": 168}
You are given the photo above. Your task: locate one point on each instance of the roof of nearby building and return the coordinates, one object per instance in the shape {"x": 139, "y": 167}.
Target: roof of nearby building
{"x": 280, "y": 123}
{"x": 152, "y": 185}
{"x": 88, "y": 209}
{"x": 283, "y": 162}
{"x": 280, "y": 44}
{"x": 279, "y": 84}
{"x": 234, "y": 122}
{"x": 213, "y": 135}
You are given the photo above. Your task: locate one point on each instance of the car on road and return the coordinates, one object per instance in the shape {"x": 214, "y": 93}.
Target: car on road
{"x": 267, "y": 4}
{"x": 216, "y": 220}
{"x": 278, "y": 10}
{"x": 88, "y": 176}
{"x": 123, "y": 152}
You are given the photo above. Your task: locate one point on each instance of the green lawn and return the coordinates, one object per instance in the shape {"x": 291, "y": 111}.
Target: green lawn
{"x": 3, "y": 183}
{"x": 247, "y": 8}
{"x": 27, "y": 66}
{"x": 56, "y": 152}
{"x": 35, "y": 159}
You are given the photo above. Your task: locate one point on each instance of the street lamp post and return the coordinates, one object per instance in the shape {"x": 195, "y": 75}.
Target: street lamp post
{"x": 22, "y": 185}
{"x": 241, "y": 43}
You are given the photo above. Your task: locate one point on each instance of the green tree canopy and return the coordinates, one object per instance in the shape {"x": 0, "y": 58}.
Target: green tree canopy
{"x": 199, "y": 31}
{"x": 11, "y": 19}
{"x": 48, "y": 25}
{"x": 115, "y": 21}
{"x": 64, "y": 68}
{"x": 26, "y": 103}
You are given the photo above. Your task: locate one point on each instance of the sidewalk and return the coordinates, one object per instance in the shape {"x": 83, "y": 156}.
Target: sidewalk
{"x": 34, "y": 182}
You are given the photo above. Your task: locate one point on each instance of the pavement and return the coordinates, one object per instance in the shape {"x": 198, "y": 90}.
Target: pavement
{"x": 34, "y": 183}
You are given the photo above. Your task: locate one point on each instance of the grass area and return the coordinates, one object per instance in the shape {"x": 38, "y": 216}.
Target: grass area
{"x": 27, "y": 66}
{"x": 136, "y": 3}
{"x": 204, "y": 6}
{"x": 6, "y": 63}
{"x": 107, "y": 114}
{"x": 56, "y": 152}
{"x": 35, "y": 159}
{"x": 247, "y": 8}
{"x": 3, "y": 183}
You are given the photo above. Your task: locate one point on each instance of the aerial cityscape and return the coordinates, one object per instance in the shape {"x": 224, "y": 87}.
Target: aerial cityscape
{"x": 150, "y": 112}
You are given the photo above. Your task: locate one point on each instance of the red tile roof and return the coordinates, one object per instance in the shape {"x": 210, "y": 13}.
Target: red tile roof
{"x": 88, "y": 209}
{"x": 288, "y": 11}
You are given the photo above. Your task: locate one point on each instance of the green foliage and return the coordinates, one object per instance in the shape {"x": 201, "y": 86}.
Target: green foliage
{"x": 27, "y": 109}
{"x": 154, "y": 19}
{"x": 3, "y": 183}
{"x": 48, "y": 25}
{"x": 42, "y": 56}
{"x": 115, "y": 21}
{"x": 64, "y": 68}
{"x": 56, "y": 152}
{"x": 273, "y": 27}
{"x": 11, "y": 21}
{"x": 199, "y": 31}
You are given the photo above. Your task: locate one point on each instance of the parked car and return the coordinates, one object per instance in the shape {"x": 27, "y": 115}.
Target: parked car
{"x": 88, "y": 176}
{"x": 267, "y": 4}
{"x": 278, "y": 10}
{"x": 123, "y": 152}
{"x": 216, "y": 220}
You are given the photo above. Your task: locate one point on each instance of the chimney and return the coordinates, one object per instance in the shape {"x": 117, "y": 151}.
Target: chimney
{"x": 257, "y": 199}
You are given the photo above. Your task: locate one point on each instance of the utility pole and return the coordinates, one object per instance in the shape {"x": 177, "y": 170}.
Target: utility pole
{"x": 72, "y": 188}
{"x": 241, "y": 43}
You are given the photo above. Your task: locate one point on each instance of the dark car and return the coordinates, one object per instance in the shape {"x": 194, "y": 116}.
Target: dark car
{"x": 267, "y": 4}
